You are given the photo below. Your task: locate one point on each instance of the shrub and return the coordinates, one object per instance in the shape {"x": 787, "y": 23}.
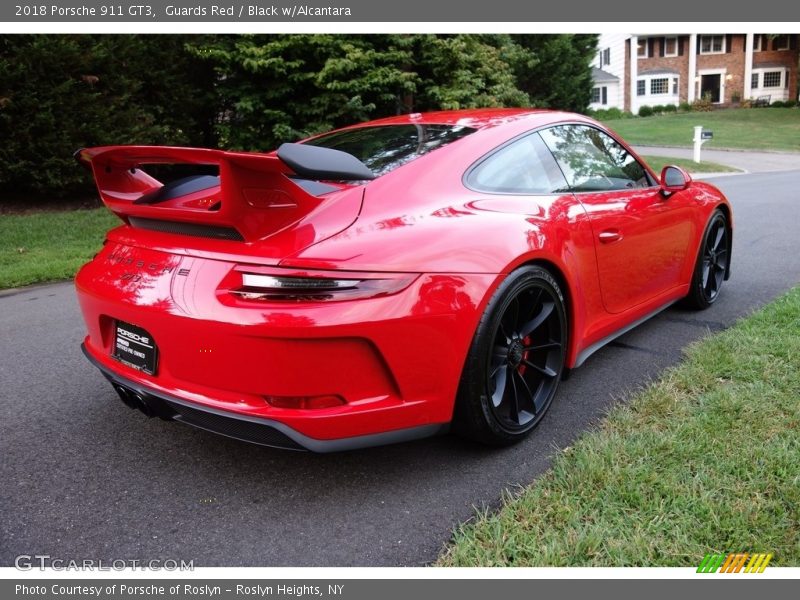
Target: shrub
{"x": 778, "y": 104}
{"x": 685, "y": 107}
{"x": 670, "y": 108}
{"x": 646, "y": 111}
{"x": 703, "y": 104}
{"x": 606, "y": 114}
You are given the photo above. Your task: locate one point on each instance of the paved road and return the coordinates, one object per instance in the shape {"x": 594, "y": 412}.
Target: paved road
{"x": 84, "y": 477}
{"x": 749, "y": 162}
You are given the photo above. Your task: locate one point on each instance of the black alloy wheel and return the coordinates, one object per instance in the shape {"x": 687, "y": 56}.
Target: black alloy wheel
{"x": 516, "y": 360}
{"x": 713, "y": 263}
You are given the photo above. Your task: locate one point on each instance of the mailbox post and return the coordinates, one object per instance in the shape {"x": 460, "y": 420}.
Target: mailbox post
{"x": 700, "y": 138}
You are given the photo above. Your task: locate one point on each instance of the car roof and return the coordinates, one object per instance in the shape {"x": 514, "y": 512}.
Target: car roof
{"x": 476, "y": 118}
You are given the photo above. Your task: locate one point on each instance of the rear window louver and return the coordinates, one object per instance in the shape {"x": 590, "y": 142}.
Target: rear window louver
{"x": 214, "y": 232}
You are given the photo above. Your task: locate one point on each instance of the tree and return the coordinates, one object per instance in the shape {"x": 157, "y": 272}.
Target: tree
{"x": 252, "y": 92}
{"x": 273, "y": 88}
{"x": 62, "y": 92}
{"x": 467, "y": 71}
{"x": 561, "y": 76}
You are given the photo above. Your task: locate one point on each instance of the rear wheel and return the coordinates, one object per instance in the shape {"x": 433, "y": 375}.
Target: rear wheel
{"x": 713, "y": 262}
{"x": 516, "y": 359}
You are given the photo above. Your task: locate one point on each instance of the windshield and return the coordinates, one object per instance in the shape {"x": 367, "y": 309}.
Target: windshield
{"x": 383, "y": 148}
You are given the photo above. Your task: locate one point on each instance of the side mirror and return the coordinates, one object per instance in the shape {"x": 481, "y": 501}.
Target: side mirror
{"x": 674, "y": 179}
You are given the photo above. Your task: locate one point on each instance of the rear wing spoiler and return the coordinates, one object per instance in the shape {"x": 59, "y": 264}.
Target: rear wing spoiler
{"x": 254, "y": 195}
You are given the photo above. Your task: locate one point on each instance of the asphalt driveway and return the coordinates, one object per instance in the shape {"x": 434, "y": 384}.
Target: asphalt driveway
{"x": 84, "y": 477}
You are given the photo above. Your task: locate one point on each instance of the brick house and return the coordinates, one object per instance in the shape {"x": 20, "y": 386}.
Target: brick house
{"x": 669, "y": 69}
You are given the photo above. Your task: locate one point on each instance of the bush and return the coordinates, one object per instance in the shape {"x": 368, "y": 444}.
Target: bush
{"x": 791, "y": 104}
{"x": 703, "y": 104}
{"x": 685, "y": 107}
{"x": 778, "y": 104}
{"x": 659, "y": 109}
{"x": 670, "y": 108}
{"x": 646, "y": 111}
{"x": 607, "y": 114}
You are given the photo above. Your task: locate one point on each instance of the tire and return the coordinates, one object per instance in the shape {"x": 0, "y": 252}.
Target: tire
{"x": 712, "y": 265}
{"x": 515, "y": 361}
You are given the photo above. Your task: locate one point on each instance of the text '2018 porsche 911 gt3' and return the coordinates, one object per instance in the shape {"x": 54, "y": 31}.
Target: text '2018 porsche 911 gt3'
{"x": 389, "y": 280}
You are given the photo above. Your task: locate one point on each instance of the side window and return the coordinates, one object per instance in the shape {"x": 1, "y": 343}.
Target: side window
{"x": 525, "y": 166}
{"x": 592, "y": 161}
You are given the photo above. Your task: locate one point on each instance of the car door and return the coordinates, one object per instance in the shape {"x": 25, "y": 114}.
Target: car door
{"x": 522, "y": 178}
{"x": 641, "y": 237}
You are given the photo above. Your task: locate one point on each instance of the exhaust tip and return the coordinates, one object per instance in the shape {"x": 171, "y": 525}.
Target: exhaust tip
{"x": 143, "y": 405}
{"x": 151, "y": 406}
{"x": 126, "y": 396}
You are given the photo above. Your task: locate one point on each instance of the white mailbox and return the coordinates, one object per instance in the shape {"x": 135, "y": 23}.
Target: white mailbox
{"x": 700, "y": 138}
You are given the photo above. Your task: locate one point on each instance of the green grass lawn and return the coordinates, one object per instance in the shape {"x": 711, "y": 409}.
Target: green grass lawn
{"x": 748, "y": 129}
{"x": 659, "y": 162}
{"x": 46, "y": 246}
{"x": 705, "y": 460}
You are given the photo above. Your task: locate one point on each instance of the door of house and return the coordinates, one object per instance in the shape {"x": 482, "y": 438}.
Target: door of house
{"x": 711, "y": 85}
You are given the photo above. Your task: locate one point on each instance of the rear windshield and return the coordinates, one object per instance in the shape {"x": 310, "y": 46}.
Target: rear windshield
{"x": 383, "y": 148}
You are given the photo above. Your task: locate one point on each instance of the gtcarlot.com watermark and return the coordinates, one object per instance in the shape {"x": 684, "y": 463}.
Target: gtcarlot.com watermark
{"x": 28, "y": 562}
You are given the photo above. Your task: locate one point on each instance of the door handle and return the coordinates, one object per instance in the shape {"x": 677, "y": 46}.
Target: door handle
{"x": 610, "y": 235}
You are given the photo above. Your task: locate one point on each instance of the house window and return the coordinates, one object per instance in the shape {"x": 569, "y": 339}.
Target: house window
{"x": 670, "y": 46}
{"x": 758, "y": 43}
{"x": 675, "y": 86}
{"x": 641, "y": 49}
{"x": 754, "y": 80}
{"x": 712, "y": 44}
{"x": 781, "y": 42}
{"x": 772, "y": 79}
{"x": 606, "y": 56}
{"x": 659, "y": 86}
{"x": 640, "y": 87}
{"x": 600, "y": 95}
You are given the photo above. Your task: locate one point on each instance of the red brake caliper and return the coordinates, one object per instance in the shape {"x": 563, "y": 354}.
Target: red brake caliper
{"x": 526, "y": 341}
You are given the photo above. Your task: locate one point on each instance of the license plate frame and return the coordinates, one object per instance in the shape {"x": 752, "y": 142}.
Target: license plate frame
{"x": 135, "y": 347}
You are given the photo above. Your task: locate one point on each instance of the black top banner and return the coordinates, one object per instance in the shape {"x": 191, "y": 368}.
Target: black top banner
{"x": 452, "y": 11}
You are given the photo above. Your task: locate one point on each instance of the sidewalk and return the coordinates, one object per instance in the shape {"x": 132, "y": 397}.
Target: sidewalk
{"x": 749, "y": 162}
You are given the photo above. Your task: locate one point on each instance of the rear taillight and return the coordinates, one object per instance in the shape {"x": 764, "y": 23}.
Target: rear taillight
{"x": 321, "y": 287}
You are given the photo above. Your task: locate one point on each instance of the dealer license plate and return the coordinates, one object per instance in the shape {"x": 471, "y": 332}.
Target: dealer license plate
{"x": 135, "y": 347}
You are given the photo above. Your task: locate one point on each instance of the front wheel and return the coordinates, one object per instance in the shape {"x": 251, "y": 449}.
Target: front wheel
{"x": 713, "y": 262}
{"x": 516, "y": 359}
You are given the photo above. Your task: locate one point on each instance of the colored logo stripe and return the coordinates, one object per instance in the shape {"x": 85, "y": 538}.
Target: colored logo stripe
{"x": 710, "y": 563}
{"x": 758, "y": 563}
{"x": 734, "y": 563}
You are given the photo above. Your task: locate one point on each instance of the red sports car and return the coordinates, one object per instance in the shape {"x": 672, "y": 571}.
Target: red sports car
{"x": 389, "y": 280}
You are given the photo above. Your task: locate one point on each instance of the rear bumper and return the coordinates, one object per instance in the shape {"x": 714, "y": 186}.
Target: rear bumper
{"x": 265, "y": 432}
{"x": 393, "y": 362}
